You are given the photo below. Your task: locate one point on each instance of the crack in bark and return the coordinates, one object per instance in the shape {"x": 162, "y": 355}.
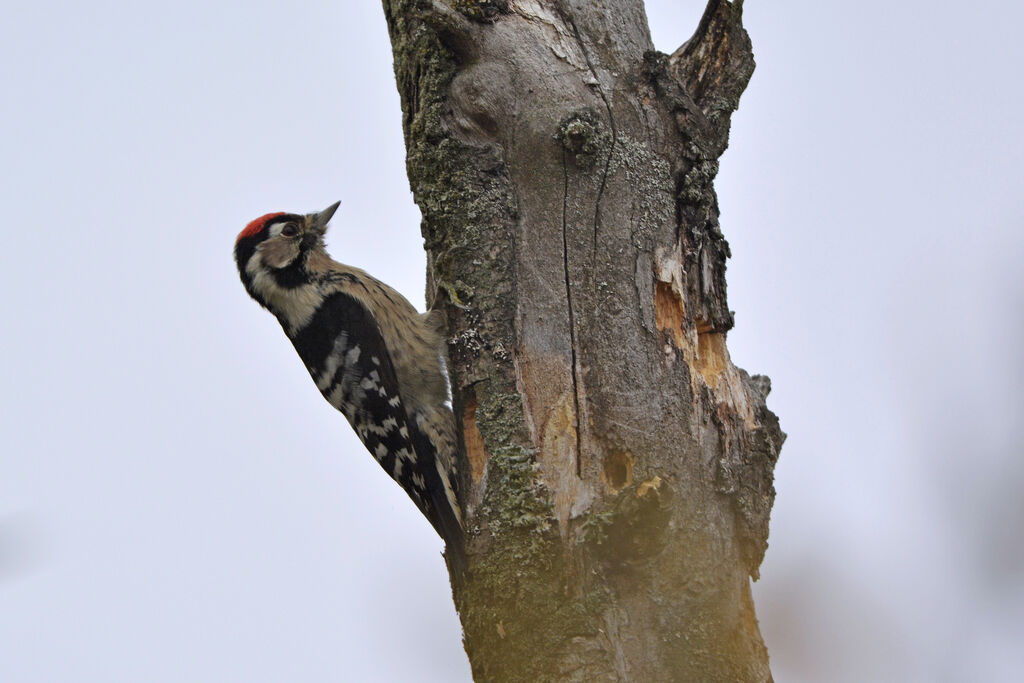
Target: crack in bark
{"x": 567, "y": 18}
{"x": 572, "y": 323}
{"x": 611, "y": 124}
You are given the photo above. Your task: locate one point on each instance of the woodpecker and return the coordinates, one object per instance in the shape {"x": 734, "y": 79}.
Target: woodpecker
{"x": 370, "y": 353}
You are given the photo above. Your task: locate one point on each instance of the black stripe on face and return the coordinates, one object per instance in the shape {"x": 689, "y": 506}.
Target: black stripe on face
{"x": 245, "y": 248}
{"x": 293, "y": 275}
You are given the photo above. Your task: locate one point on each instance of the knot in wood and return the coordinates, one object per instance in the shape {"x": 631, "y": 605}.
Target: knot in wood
{"x": 482, "y": 10}
{"x": 583, "y": 135}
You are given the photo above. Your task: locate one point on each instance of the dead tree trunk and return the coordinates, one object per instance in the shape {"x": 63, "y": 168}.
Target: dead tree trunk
{"x": 618, "y": 466}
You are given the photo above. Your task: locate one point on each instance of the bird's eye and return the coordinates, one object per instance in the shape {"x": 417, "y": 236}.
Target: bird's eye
{"x": 290, "y": 230}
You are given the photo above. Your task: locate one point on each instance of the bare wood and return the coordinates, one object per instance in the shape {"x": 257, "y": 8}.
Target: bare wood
{"x": 618, "y": 465}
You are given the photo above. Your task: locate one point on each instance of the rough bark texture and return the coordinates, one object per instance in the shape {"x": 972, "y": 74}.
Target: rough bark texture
{"x": 618, "y": 467}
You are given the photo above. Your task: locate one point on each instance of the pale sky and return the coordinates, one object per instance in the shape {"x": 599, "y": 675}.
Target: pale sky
{"x": 178, "y": 503}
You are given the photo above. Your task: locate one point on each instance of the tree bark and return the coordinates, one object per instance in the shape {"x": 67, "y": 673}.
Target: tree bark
{"x": 617, "y": 467}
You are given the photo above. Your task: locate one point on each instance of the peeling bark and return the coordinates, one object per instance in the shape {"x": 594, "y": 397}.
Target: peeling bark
{"x": 617, "y": 465}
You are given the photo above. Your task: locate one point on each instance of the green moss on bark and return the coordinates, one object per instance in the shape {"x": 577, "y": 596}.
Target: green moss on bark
{"x": 513, "y": 601}
{"x": 468, "y": 209}
{"x": 482, "y": 10}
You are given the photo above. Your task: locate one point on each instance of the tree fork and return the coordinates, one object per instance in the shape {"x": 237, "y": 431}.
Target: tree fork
{"x": 617, "y": 465}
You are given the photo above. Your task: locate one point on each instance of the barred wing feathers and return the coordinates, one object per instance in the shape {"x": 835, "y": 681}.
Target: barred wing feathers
{"x": 344, "y": 351}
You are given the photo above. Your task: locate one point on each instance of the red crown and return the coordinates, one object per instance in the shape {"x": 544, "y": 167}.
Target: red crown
{"x": 257, "y": 225}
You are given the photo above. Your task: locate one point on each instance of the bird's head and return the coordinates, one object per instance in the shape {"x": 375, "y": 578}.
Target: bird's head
{"x": 274, "y": 249}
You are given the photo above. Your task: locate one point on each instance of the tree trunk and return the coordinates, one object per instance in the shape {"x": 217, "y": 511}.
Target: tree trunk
{"x": 617, "y": 471}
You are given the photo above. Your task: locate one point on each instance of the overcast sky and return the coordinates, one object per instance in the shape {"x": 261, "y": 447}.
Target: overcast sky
{"x": 177, "y": 502}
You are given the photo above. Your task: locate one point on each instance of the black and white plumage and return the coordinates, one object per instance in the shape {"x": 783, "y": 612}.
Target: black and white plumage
{"x": 370, "y": 353}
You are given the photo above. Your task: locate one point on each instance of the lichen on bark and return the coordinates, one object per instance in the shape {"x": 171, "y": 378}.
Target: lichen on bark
{"x": 465, "y": 197}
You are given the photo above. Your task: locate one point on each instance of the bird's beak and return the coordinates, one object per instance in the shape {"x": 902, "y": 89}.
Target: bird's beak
{"x": 317, "y": 222}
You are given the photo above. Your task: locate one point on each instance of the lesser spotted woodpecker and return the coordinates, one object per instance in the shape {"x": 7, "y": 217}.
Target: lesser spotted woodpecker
{"x": 371, "y": 354}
